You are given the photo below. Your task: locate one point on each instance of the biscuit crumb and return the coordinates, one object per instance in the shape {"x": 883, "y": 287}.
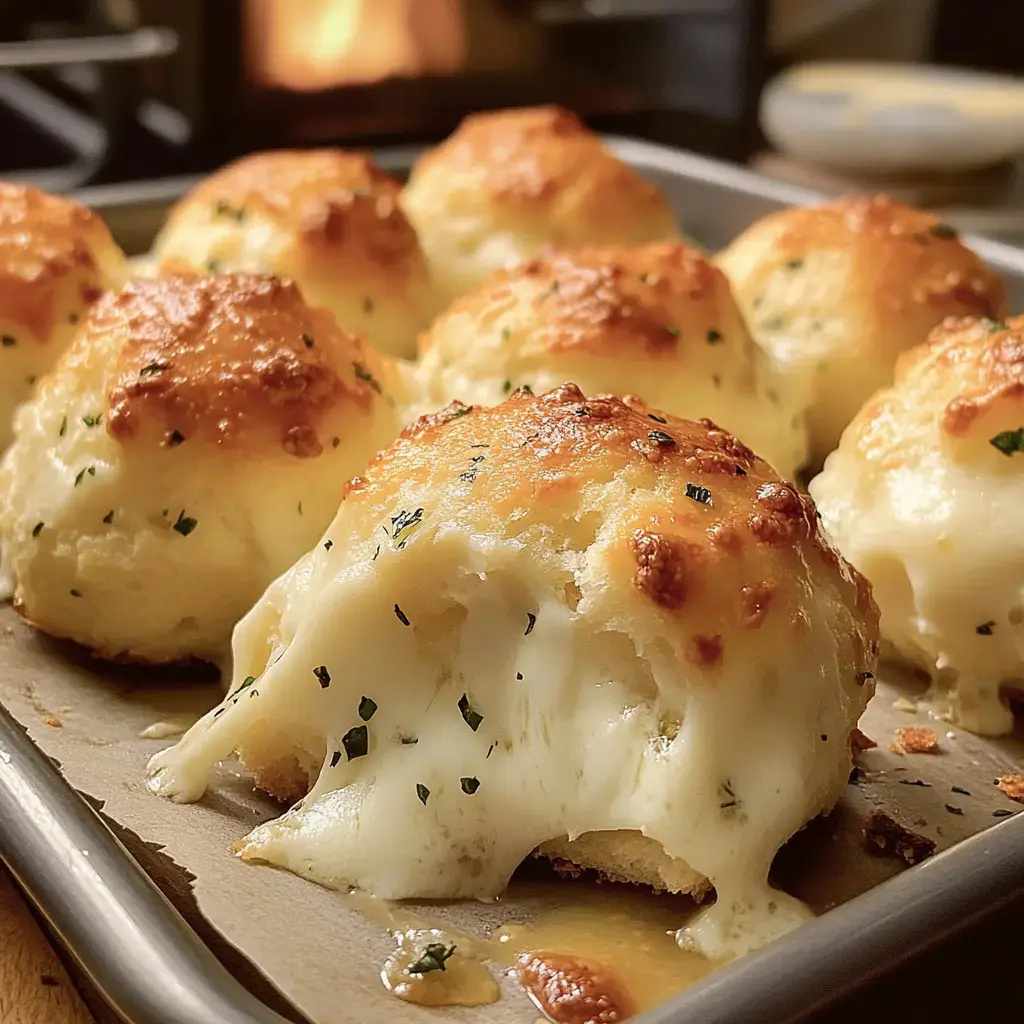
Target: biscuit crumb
{"x": 52, "y": 721}
{"x": 887, "y": 838}
{"x": 1012, "y": 786}
{"x": 914, "y": 740}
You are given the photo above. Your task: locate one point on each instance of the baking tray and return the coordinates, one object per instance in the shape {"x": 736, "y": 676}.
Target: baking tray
{"x": 152, "y": 968}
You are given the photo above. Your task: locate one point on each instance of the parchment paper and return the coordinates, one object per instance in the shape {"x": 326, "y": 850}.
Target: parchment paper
{"x": 312, "y": 944}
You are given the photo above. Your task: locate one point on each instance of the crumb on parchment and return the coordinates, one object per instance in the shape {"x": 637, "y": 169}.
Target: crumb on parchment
{"x": 914, "y": 740}
{"x": 1012, "y": 786}
{"x": 53, "y": 721}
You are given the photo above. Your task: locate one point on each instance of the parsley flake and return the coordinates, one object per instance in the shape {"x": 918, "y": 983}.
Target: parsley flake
{"x": 323, "y": 676}
{"x": 794, "y": 264}
{"x": 214, "y": 266}
{"x": 307, "y": 340}
{"x": 660, "y": 438}
{"x": 184, "y": 524}
{"x": 699, "y": 494}
{"x": 335, "y": 441}
{"x": 714, "y": 337}
{"x": 356, "y": 742}
{"x": 405, "y": 523}
{"x": 335, "y": 758}
{"x": 225, "y": 209}
{"x": 985, "y": 629}
{"x": 8, "y": 340}
{"x": 960, "y": 790}
{"x": 657, "y": 419}
{"x": 362, "y": 373}
{"x": 93, "y": 421}
{"x": 367, "y": 708}
{"x": 401, "y": 616}
{"x": 80, "y": 475}
{"x": 506, "y": 387}
{"x": 1002, "y": 812}
{"x": 953, "y": 809}
{"x": 152, "y": 369}
{"x": 423, "y": 793}
{"x": 1009, "y": 441}
{"x": 37, "y": 529}
{"x": 469, "y": 785}
{"x": 674, "y": 331}
{"x": 328, "y": 544}
{"x": 505, "y": 334}
{"x": 531, "y": 623}
{"x": 472, "y": 717}
{"x": 173, "y": 439}
{"x": 75, "y": 593}
{"x": 63, "y": 426}
{"x": 109, "y": 517}
{"x": 728, "y": 804}
{"x": 993, "y": 325}
{"x": 435, "y": 955}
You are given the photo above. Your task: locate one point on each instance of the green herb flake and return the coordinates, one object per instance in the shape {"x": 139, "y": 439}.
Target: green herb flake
{"x": 960, "y": 790}
{"x": 75, "y": 593}
{"x": 943, "y": 231}
{"x": 657, "y": 419}
{"x": 328, "y": 544}
{"x": 434, "y": 957}
{"x": 953, "y": 809}
{"x": 37, "y": 529}
{"x": 531, "y": 622}
{"x": 673, "y": 331}
{"x": 308, "y": 340}
{"x": 73, "y": 318}
{"x": 8, "y": 340}
{"x": 727, "y": 802}
{"x": 367, "y": 304}
{"x": 300, "y": 508}
{"x": 471, "y": 716}
{"x": 423, "y": 793}
{"x": 985, "y": 629}
{"x": 1009, "y": 441}
{"x": 63, "y": 426}
{"x": 356, "y": 742}
{"x": 773, "y": 323}
{"x": 401, "y": 616}
{"x": 404, "y": 525}
{"x": 80, "y": 475}
{"x": 109, "y": 517}
{"x": 173, "y": 439}
{"x": 469, "y": 785}
{"x": 993, "y": 325}
{"x": 661, "y": 439}
{"x": 225, "y": 209}
{"x": 1002, "y": 812}
{"x": 152, "y": 369}
{"x": 362, "y": 373}
{"x": 794, "y": 264}
{"x": 699, "y": 494}
{"x": 184, "y": 524}
{"x": 335, "y": 758}
{"x": 335, "y": 441}
{"x": 323, "y": 676}
{"x": 214, "y": 266}
{"x": 506, "y": 387}
{"x": 714, "y": 337}
{"x": 506, "y": 333}
{"x": 367, "y": 708}
{"x": 93, "y": 421}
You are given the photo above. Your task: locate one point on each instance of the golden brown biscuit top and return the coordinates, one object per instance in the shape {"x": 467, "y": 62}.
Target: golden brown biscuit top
{"x": 222, "y": 358}
{"x": 916, "y": 258}
{"x": 530, "y": 157}
{"x": 713, "y": 510}
{"x": 604, "y": 300}
{"x": 979, "y": 360}
{"x": 43, "y": 241}
{"x": 329, "y": 198}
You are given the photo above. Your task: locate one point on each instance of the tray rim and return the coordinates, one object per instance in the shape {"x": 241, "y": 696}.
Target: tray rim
{"x": 152, "y": 968}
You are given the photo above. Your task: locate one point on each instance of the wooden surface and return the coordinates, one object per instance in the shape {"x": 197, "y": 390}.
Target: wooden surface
{"x": 34, "y": 987}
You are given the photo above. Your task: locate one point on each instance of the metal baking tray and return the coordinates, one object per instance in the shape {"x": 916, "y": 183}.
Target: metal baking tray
{"x": 152, "y": 968}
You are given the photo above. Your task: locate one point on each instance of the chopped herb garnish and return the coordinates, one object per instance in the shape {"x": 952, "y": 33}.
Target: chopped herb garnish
{"x": 519, "y": 676}
{"x": 8, "y": 340}
{"x": 505, "y": 334}
{"x": 225, "y": 209}
{"x": 367, "y": 304}
{"x": 307, "y": 340}
{"x": 740, "y": 471}
{"x": 960, "y": 790}
{"x": 214, "y": 266}
{"x": 794, "y": 264}
{"x": 407, "y": 741}
{"x": 468, "y": 476}
{"x": 657, "y": 419}
{"x": 423, "y": 793}
{"x": 433, "y": 957}
{"x": 63, "y": 426}
{"x": 1003, "y": 812}
{"x": 323, "y": 676}
{"x": 1009, "y": 441}
{"x": 824, "y": 737}
{"x": 367, "y": 708}
{"x": 773, "y": 323}
{"x": 472, "y": 717}
{"x": 173, "y": 439}
{"x": 727, "y": 802}
{"x": 405, "y": 522}
{"x": 953, "y": 809}
{"x": 300, "y": 508}
{"x": 72, "y": 318}
{"x": 109, "y": 517}
{"x": 93, "y": 421}
{"x": 532, "y": 622}
{"x": 490, "y": 750}
{"x": 714, "y": 337}
{"x": 362, "y": 373}
{"x": 583, "y": 410}
{"x": 916, "y": 782}
{"x": 243, "y": 685}
{"x": 674, "y": 331}
{"x": 76, "y": 593}
{"x": 335, "y": 441}
{"x": 985, "y": 629}
{"x": 469, "y": 785}
{"x": 184, "y": 524}
{"x": 660, "y": 438}
{"x": 376, "y": 553}
{"x": 700, "y": 494}
{"x": 328, "y": 544}
{"x": 943, "y": 231}
{"x": 401, "y": 616}
{"x": 506, "y": 387}
{"x": 80, "y": 476}
{"x": 993, "y": 325}
{"x": 151, "y": 369}
{"x": 335, "y": 758}
{"x": 356, "y": 742}
{"x": 37, "y": 529}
